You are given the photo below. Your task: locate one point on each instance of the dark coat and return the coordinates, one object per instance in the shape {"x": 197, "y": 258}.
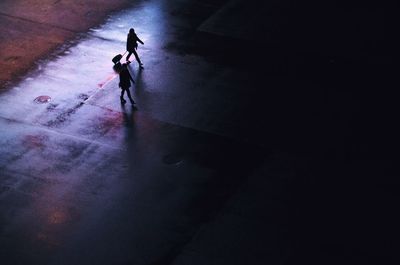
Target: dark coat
{"x": 131, "y": 42}
{"x": 125, "y": 77}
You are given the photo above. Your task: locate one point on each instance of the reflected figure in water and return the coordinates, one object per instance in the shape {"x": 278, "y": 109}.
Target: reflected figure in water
{"x": 131, "y": 46}
{"x": 125, "y": 79}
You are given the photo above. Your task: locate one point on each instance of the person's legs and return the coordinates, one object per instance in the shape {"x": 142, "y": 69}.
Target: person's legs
{"x": 129, "y": 96}
{"x": 129, "y": 55}
{"x": 137, "y": 57}
{"x": 122, "y": 95}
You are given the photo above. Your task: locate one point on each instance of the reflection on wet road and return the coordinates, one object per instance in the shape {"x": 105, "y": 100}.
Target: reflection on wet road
{"x": 86, "y": 180}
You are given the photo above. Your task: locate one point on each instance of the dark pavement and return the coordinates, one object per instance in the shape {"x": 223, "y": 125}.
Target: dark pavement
{"x": 30, "y": 29}
{"x": 265, "y": 133}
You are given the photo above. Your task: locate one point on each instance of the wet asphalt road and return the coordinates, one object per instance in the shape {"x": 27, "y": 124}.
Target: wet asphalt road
{"x": 86, "y": 180}
{"x": 30, "y": 29}
{"x": 252, "y": 142}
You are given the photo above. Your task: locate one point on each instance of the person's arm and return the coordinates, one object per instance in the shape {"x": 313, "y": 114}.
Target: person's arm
{"x": 139, "y": 40}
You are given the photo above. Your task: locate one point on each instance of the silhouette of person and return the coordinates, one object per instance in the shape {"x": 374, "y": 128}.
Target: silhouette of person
{"x": 125, "y": 79}
{"x": 131, "y": 46}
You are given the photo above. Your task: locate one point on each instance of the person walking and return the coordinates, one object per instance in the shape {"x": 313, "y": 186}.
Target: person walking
{"x": 125, "y": 79}
{"x": 131, "y": 46}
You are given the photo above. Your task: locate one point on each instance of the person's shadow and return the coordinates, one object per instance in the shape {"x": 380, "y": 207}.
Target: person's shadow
{"x": 138, "y": 85}
{"x": 127, "y": 113}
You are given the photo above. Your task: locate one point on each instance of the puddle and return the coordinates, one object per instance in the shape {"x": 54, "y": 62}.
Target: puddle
{"x": 172, "y": 159}
{"x": 42, "y": 99}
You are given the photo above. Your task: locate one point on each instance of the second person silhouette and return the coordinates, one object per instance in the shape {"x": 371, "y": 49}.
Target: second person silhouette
{"x": 131, "y": 46}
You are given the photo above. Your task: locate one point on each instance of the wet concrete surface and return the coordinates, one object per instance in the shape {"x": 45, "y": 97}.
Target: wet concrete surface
{"x": 31, "y": 29}
{"x": 243, "y": 148}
